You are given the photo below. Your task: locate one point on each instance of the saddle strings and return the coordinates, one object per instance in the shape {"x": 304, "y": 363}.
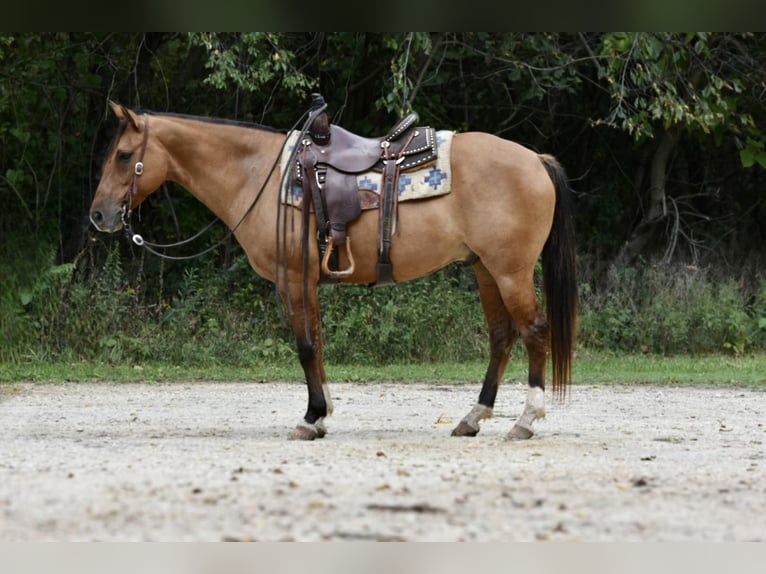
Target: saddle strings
{"x": 281, "y": 238}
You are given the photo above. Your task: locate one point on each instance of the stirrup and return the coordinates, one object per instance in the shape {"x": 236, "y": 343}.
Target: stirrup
{"x": 326, "y": 261}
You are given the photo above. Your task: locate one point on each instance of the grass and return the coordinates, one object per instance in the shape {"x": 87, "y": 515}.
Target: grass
{"x": 655, "y": 369}
{"x": 588, "y": 369}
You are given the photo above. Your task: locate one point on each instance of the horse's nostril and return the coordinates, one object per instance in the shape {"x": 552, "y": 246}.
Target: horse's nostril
{"x": 96, "y": 217}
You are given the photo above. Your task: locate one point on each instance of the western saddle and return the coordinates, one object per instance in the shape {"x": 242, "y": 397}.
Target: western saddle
{"x": 329, "y": 158}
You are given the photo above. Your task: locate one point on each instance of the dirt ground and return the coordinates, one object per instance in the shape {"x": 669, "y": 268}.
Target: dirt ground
{"x": 211, "y": 462}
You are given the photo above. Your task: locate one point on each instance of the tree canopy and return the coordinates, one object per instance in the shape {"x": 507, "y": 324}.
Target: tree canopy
{"x": 661, "y": 133}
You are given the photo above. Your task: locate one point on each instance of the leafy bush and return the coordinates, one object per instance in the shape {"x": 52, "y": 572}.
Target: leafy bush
{"x": 30, "y": 301}
{"x": 435, "y": 318}
{"x": 670, "y": 309}
{"x": 105, "y": 309}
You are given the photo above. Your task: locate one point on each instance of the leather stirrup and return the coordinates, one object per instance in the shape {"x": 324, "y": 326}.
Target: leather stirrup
{"x": 326, "y": 261}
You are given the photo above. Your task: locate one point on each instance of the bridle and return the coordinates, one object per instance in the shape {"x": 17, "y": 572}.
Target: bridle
{"x": 126, "y": 211}
{"x": 138, "y": 169}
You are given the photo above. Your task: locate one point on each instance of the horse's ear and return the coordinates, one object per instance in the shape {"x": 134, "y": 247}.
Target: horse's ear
{"x": 131, "y": 117}
{"x": 124, "y": 113}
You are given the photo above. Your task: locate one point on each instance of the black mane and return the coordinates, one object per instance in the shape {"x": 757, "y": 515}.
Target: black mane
{"x": 212, "y": 120}
{"x": 221, "y": 121}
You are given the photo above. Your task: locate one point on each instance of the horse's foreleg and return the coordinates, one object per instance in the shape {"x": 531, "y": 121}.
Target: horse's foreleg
{"x": 502, "y": 336}
{"x": 307, "y": 328}
{"x": 312, "y": 424}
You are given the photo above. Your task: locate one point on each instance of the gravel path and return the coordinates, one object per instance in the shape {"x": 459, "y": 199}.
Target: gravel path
{"x": 210, "y": 462}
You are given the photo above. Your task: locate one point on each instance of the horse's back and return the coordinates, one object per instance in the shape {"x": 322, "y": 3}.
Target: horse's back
{"x": 490, "y": 169}
{"x": 490, "y": 146}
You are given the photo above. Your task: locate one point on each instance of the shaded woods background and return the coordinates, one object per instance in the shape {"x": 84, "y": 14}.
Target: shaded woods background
{"x": 660, "y": 134}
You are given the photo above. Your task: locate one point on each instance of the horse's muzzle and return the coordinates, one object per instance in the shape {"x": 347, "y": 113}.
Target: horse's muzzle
{"x": 106, "y": 223}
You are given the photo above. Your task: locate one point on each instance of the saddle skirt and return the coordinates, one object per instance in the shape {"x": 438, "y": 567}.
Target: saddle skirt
{"x": 431, "y": 180}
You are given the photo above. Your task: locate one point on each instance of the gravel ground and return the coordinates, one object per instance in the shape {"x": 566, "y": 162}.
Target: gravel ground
{"x": 210, "y": 462}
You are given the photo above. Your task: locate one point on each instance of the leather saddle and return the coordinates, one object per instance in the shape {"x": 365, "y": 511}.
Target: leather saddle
{"x": 328, "y": 162}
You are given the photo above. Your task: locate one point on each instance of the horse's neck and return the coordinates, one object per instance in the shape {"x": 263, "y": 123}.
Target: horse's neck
{"x": 222, "y": 165}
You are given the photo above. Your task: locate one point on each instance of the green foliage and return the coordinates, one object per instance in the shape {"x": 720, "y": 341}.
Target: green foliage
{"x": 72, "y": 294}
{"x": 233, "y": 318}
{"x": 406, "y": 49}
{"x": 693, "y": 79}
{"x": 753, "y": 152}
{"x": 756, "y": 311}
{"x": 671, "y": 309}
{"x": 252, "y": 61}
{"x": 436, "y": 318}
{"x": 27, "y": 286}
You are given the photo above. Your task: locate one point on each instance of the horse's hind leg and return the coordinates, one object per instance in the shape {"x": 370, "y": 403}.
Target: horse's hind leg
{"x": 521, "y": 300}
{"x": 502, "y": 336}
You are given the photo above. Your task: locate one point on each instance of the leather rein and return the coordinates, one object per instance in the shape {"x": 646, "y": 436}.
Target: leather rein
{"x": 138, "y": 170}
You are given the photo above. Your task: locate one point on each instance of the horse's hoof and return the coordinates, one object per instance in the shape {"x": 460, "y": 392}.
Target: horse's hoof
{"x": 519, "y": 433}
{"x": 321, "y": 429}
{"x": 304, "y": 432}
{"x": 464, "y": 429}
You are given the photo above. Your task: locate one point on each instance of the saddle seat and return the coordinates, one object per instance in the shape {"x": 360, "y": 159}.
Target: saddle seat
{"x": 352, "y": 153}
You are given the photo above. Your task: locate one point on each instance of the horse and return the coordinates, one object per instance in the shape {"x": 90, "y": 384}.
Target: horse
{"x": 508, "y": 207}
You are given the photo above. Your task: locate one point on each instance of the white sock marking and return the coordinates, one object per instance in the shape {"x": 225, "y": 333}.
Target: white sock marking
{"x": 534, "y": 409}
{"x": 478, "y": 412}
{"x": 327, "y": 398}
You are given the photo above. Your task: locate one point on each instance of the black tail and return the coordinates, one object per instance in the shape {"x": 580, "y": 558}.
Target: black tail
{"x": 560, "y": 278}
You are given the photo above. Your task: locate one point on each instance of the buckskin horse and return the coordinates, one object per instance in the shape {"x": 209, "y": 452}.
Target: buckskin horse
{"x": 507, "y": 207}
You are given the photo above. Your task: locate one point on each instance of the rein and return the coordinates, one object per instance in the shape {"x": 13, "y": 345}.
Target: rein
{"x": 281, "y": 227}
{"x": 138, "y": 170}
{"x": 317, "y": 107}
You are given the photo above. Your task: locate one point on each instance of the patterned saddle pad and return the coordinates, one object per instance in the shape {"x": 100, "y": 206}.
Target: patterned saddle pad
{"x": 429, "y": 181}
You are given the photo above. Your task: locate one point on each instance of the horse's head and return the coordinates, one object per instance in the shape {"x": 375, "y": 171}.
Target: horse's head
{"x": 132, "y": 170}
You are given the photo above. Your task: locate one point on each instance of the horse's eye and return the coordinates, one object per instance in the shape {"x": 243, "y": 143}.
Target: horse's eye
{"x": 124, "y": 156}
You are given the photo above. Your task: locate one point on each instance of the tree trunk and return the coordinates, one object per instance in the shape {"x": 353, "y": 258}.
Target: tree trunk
{"x": 656, "y": 210}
